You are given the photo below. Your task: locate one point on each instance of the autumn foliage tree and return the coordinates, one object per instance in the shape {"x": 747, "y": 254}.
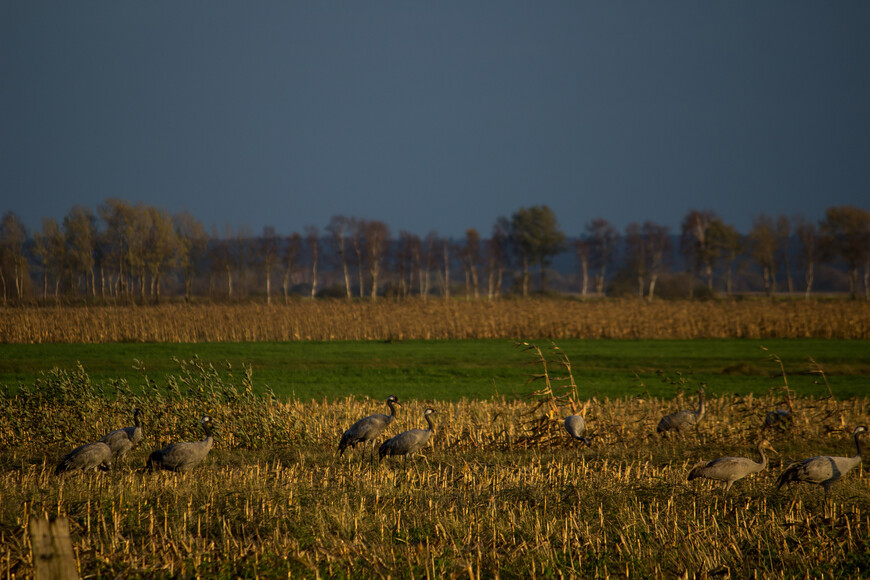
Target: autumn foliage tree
{"x": 536, "y": 237}
{"x": 697, "y": 247}
{"x": 763, "y": 244}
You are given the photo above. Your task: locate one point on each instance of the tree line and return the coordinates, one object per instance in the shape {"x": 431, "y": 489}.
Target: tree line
{"x": 140, "y": 253}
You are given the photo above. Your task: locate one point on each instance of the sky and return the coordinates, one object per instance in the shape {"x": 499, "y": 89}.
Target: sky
{"x": 435, "y": 116}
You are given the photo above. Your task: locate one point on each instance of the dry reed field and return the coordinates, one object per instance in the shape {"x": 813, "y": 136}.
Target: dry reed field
{"x": 439, "y": 319}
{"x": 501, "y": 491}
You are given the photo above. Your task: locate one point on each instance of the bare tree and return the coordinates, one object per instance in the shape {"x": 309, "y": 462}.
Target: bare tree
{"x": 602, "y": 237}
{"x": 49, "y": 247}
{"x": 192, "y": 245}
{"x": 808, "y": 250}
{"x": 120, "y": 220}
{"x": 582, "y": 250}
{"x": 339, "y": 229}
{"x": 496, "y": 252}
{"x": 292, "y": 248}
{"x": 244, "y": 259}
{"x": 375, "y": 236}
{"x": 696, "y": 247}
{"x": 446, "y": 253}
{"x": 268, "y": 250}
{"x": 763, "y": 241}
{"x": 312, "y": 240}
{"x": 636, "y": 254}
{"x": 846, "y": 233}
{"x": 657, "y": 240}
{"x": 13, "y": 234}
{"x": 221, "y": 257}
{"x": 728, "y": 246}
{"x": 415, "y": 264}
{"x": 357, "y": 239}
{"x": 783, "y": 234}
{"x": 161, "y": 247}
{"x": 407, "y": 260}
{"x": 428, "y": 251}
{"x": 470, "y": 262}
{"x": 80, "y": 229}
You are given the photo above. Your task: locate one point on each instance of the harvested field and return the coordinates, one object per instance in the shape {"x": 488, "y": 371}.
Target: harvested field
{"x": 500, "y": 492}
{"x": 438, "y": 319}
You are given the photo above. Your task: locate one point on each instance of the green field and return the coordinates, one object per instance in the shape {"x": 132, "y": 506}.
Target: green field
{"x": 472, "y": 369}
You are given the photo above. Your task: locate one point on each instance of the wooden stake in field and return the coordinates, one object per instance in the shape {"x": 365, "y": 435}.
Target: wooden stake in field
{"x": 52, "y": 550}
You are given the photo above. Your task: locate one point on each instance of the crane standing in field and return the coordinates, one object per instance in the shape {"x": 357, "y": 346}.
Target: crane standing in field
{"x": 731, "y": 469}
{"x": 575, "y": 424}
{"x": 122, "y": 440}
{"x": 367, "y": 429}
{"x": 823, "y": 470}
{"x": 88, "y": 457}
{"x": 409, "y": 442}
{"x": 183, "y": 456}
{"x": 683, "y": 420}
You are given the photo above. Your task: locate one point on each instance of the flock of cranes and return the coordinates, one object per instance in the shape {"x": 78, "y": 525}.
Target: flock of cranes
{"x": 184, "y": 456}
{"x": 113, "y": 446}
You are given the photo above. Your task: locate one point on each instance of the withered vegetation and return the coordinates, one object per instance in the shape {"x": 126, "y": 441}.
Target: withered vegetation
{"x": 501, "y": 491}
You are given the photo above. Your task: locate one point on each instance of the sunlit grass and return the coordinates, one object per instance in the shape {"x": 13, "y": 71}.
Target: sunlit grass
{"x": 501, "y": 491}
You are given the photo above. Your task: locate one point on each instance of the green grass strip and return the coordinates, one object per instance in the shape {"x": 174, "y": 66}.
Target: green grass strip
{"x": 472, "y": 369}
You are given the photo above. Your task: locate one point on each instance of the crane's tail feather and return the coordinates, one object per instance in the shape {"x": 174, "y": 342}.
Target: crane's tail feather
{"x": 789, "y": 475}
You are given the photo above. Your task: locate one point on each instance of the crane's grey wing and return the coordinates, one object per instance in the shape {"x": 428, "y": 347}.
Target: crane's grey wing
{"x": 86, "y": 457}
{"x": 406, "y": 442}
{"x": 181, "y": 456}
{"x": 725, "y": 468}
{"x": 575, "y": 425}
{"x": 119, "y": 441}
{"x": 371, "y": 426}
{"x": 813, "y": 470}
{"x": 365, "y": 429}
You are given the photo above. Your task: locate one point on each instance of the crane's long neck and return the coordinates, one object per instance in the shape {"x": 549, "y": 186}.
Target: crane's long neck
{"x": 700, "y": 411}
{"x": 431, "y": 424}
{"x": 763, "y": 463}
{"x": 859, "y": 446}
{"x": 136, "y": 418}
{"x": 392, "y": 414}
{"x": 208, "y": 435}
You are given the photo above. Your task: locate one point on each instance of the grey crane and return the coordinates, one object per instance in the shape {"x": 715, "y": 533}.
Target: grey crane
{"x": 683, "y": 420}
{"x": 122, "y": 440}
{"x": 183, "y": 456}
{"x": 409, "y": 442}
{"x": 367, "y": 429}
{"x": 731, "y": 469}
{"x": 823, "y": 470}
{"x": 88, "y": 457}
{"x": 575, "y": 425}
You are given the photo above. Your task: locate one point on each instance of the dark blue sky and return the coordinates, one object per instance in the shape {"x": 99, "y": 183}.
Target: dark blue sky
{"x": 435, "y": 115}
